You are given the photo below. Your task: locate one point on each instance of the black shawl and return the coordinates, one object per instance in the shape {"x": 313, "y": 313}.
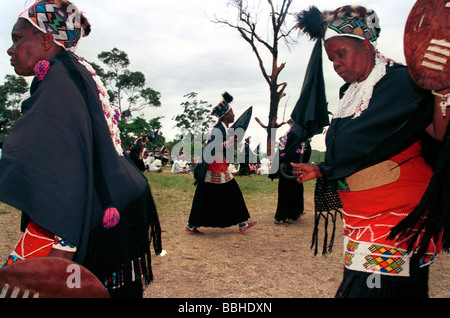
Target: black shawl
{"x": 60, "y": 167}
{"x": 202, "y": 167}
{"x": 397, "y": 116}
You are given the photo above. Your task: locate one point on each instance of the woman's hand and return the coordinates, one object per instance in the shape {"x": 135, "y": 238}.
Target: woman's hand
{"x": 305, "y": 172}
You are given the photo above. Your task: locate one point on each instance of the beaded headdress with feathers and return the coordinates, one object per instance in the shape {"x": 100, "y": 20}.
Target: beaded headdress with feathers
{"x": 354, "y": 21}
{"x": 224, "y": 106}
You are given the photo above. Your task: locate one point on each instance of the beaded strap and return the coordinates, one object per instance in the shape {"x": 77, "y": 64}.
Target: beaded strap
{"x": 112, "y": 113}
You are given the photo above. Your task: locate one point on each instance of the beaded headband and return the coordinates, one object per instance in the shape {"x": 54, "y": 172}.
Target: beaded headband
{"x": 64, "y": 25}
{"x": 224, "y": 107}
{"x": 353, "y": 21}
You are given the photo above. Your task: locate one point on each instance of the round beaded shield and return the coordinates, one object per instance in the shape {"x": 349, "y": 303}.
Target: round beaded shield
{"x": 427, "y": 43}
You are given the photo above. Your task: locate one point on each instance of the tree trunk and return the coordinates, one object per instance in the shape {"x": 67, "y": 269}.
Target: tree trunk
{"x": 273, "y": 113}
{"x": 246, "y": 26}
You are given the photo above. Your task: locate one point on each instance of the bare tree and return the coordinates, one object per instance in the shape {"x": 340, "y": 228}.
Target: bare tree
{"x": 246, "y": 25}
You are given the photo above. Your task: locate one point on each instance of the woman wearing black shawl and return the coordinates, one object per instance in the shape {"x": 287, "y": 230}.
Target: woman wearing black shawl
{"x": 374, "y": 156}
{"x": 95, "y": 206}
{"x": 137, "y": 151}
{"x": 218, "y": 201}
{"x": 290, "y": 204}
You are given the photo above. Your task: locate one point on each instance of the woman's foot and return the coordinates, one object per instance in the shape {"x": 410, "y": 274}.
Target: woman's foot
{"x": 282, "y": 221}
{"x": 193, "y": 230}
{"x": 245, "y": 226}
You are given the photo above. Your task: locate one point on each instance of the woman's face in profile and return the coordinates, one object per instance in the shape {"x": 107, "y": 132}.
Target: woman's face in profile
{"x": 26, "y": 50}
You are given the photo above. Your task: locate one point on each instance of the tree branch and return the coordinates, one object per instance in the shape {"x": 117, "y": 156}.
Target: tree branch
{"x": 249, "y": 37}
{"x": 281, "y": 92}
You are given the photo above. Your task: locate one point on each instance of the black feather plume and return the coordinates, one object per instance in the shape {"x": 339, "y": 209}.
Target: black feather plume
{"x": 227, "y": 97}
{"x": 311, "y": 22}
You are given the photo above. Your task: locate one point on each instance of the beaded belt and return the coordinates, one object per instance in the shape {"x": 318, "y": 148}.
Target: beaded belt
{"x": 218, "y": 177}
{"x": 379, "y": 258}
{"x": 375, "y": 176}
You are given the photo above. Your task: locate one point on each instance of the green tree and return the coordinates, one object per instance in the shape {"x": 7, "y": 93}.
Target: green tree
{"x": 193, "y": 123}
{"x": 133, "y": 129}
{"x": 196, "y": 117}
{"x": 11, "y": 93}
{"x": 126, "y": 88}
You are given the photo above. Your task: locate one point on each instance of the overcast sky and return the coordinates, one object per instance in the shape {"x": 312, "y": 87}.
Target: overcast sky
{"x": 179, "y": 50}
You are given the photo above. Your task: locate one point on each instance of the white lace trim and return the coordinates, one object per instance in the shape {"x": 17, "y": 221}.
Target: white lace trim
{"x": 358, "y": 95}
{"x": 112, "y": 113}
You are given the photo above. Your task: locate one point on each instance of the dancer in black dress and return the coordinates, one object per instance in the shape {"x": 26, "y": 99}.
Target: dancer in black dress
{"x": 218, "y": 201}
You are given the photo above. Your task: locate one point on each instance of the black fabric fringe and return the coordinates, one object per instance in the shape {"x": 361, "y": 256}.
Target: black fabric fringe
{"x": 432, "y": 215}
{"x": 327, "y": 206}
{"x": 118, "y": 254}
{"x": 153, "y": 219}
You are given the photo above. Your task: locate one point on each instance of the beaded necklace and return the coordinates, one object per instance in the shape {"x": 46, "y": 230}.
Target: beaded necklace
{"x": 358, "y": 95}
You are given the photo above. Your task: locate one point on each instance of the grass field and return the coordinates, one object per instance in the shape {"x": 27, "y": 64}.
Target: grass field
{"x": 267, "y": 261}
{"x": 174, "y": 192}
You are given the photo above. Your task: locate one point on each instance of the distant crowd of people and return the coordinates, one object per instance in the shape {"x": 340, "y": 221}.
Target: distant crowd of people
{"x": 153, "y": 159}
